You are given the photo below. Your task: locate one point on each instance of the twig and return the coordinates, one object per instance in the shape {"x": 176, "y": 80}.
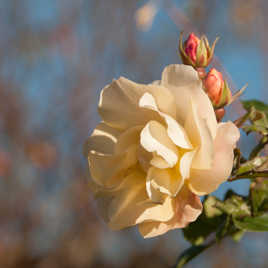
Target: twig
{"x": 259, "y": 147}
{"x": 250, "y": 175}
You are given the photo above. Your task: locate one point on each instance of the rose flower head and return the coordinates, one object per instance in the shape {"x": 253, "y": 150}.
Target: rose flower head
{"x": 217, "y": 89}
{"x": 196, "y": 52}
{"x": 157, "y": 149}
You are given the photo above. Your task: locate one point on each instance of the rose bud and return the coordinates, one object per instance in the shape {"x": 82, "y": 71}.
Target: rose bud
{"x": 190, "y": 46}
{"x": 217, "y": 89}
{"x": 196, "y": 52}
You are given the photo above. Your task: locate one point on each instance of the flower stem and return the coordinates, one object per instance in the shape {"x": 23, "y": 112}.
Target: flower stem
{"x": 240, "y": 121}
{"x": 250, "y": 175}
{"x": 191, "y": 253}
{"x": 259, "y": 147}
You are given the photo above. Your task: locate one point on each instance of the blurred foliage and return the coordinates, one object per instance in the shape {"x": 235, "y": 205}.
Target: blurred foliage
{"x": 236, "y": 214}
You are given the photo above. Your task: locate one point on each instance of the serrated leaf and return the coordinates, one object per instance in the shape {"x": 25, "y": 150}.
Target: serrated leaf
{"x": 258, "y": 115}
{"x": 259, "y": 123}
{"x": 190, "y": 253}
{"x": 252, "y": 224}
{"x": 258, "y": 105}
{"x": 261, "y": 119}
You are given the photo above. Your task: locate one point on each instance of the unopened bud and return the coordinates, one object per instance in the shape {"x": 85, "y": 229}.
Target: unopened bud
{"x": 190, "y": 46}
{"x": 196, "y": 52}
{"x": 217, "y": 89}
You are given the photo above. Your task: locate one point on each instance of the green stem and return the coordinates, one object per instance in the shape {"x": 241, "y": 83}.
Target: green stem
{"x": 251, "y": 175}
{"x": 259, "y": 147}
{"x": 191, "y": 253}
{"x": 240, "y": 121}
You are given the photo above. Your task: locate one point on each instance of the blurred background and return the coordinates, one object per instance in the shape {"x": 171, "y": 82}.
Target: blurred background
{"x": 55, "y": 57}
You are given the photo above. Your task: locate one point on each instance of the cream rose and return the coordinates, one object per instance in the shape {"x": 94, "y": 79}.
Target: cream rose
{"x": 158, "y": 148}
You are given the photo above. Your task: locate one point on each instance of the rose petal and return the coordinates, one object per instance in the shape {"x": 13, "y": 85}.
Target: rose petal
{"x": 102, "y": 140}
{"x": 166, "y": 181}
{"x": 105, "y": 169}
{"x": 156, "y": 82}
{"x": 128, "y": 138}
{"x": 154, "y": 138}
{"x": 187, "y": 206}
{"x": 101, "y": 146}
{"x": 185, "y": 164}
{"x": 128, "y": 204}
{"x": 175, "y": 131}
{"x": 206, "y": 112}
{"x": 179, "y": 75}
{"x": 184, "y": 83}
{"x": 206, "y": 181}
{"x": 118, "y": 105}
{"x": 201, "y": 138}
{"x": 159, "y": 162}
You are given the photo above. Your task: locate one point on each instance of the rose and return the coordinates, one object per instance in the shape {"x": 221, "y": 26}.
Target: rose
{"x": 159, "y": 147}
{"x": 217, "y": 89}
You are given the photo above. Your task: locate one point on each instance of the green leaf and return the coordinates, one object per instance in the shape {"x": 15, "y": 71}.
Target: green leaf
{"x": 258, "y": 115}
{"x": 210, "y": 209}
{"x": 251, "y": 165}
{"x": 190, "y": 253}
{"x": 253, "y": 224}
{"x": 259, "y": 123}
{"x": 207, "y": 223}
{"x": 254, "y": 128}
{"x": 259, "y": 196}
{"x": 234, "y": 205}
{"x": 258, "y": 105}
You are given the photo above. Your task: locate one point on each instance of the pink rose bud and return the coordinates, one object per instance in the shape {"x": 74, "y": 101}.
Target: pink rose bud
{"x": 195, "y": 51}
{"x": 190, "y": 46}
{"x": 217, "y": 89}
